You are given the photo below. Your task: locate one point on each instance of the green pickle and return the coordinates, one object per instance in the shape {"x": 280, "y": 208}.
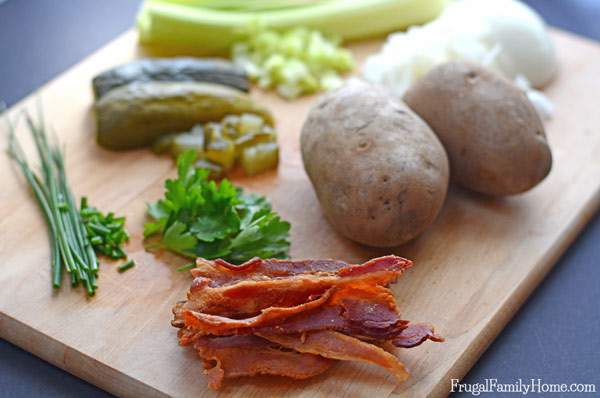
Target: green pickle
{"x": 137, "y": 114}
{"x": 258, "y": 158}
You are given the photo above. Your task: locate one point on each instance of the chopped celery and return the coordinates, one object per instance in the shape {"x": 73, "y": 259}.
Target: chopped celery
{"x": 258, "y": 158}
{"x": 296, "y": 62}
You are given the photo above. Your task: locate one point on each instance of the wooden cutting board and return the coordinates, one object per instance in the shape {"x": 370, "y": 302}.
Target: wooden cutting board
{"x": 474, "y": 267}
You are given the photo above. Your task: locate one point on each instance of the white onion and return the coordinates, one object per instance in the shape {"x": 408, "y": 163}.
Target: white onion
{"x": 503, "y": 35}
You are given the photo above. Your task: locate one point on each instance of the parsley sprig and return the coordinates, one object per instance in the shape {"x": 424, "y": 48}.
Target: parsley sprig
{"x": 200, "y": 218}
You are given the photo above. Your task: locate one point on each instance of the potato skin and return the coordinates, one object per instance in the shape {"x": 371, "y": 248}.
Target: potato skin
{"x": 493, "y": 136}
{"x": 378, "y": 170}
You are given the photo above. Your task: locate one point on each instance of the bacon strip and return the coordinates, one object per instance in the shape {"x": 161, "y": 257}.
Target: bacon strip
{"x": 235, "y": 356}
{"x": 219, "y": 325}
{"x": 248, "y": 297}
{"x": 307, "y": 314}
{"x": 221, "y": 273}
{"x": 335, "y": 345}
{"x": 416, "y": 334}
{"x": 357, "y": 309}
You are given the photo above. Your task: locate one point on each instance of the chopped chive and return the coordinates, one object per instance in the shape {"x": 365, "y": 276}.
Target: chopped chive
{"x": 101, "y": 229}
{"x": 88, "y": 212}
{"x": 96, "y": 240}
{"x": 125, "y": 266}
{"x": 114, "y": 225}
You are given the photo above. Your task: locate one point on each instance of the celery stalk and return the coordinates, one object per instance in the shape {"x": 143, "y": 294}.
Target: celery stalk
{"x": 180, "y": 28}
{"x": 248, "y": 5}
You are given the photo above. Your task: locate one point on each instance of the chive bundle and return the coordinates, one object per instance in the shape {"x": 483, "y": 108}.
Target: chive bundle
{"x": 70, "y": 247}
{"x": 75, "y": 236}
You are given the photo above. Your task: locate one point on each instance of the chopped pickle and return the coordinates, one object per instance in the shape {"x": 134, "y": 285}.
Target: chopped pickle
{"x": 248, "y": 140}
{"x": 192, "y": 140}
{"x": 258, "y": 158}
{"x": 164, "y": 144}
{"x": 245, "y": 139}
{"x": 230, "y": 132}
{"x": 230, "y": 121}
{"x": 250, "y": 123}
{"x": 221, "y": 151}
{"x": 215, "y": 170}
{"x": 213, "y": 131}
{"x": 266, "y": 129}
{"x": 198, "y": 130}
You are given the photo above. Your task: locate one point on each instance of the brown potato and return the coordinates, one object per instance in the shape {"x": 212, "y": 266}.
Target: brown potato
{"x": 494, "y": 138}
{"x": 378, "y": 170}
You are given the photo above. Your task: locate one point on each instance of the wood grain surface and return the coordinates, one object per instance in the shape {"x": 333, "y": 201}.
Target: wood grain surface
{"x": 474, "y": 267}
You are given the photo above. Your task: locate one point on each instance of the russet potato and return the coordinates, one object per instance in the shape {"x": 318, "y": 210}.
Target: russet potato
{"x": 379, "y": 172}
{"x": 493, "y": 136}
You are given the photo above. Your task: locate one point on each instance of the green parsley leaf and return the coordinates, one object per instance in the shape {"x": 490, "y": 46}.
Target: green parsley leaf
{"x": 199, "y": 218}
{"x": 176, "y": 238}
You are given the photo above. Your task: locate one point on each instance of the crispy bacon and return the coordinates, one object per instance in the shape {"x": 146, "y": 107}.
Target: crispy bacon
{"x": 357, "y": 309}
{"x": 416, "y": 334}
{"x": 221, "y": 273}
{"x": 307, "y": 313}
{"x": 335, "y": 345}
{"x": 219, "y": 325}
{"x": 247, "y": 297}
{"x": 235, "y": 356}
{"x": 354, "y": 308}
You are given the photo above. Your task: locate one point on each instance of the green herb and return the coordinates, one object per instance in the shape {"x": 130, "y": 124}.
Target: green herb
{"x": 200, "y": 218}
{"x": 69, "y": 243}
{"x": 125, "y": 266}
{"x": 106, "y": 233}
{"x": 75, "y": 235}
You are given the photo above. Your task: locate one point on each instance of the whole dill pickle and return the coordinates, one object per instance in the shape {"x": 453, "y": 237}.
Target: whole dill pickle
{"x": 210, "y": 70}
{"x": 135, "y": 115}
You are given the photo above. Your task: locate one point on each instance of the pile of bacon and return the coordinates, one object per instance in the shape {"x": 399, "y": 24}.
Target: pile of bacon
{"x": 295, "y": 318}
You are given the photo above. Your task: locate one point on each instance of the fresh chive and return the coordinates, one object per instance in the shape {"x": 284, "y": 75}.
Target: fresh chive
{"x": 125, "y": 266}
{"x": 88, "y": 212}
{"x": 96, "y": 240}
{"x": 106, "y": 232}
{"x": 101, "y": 229}
{"x": 114, "y": 225}
{"x": 71, "y": 237}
